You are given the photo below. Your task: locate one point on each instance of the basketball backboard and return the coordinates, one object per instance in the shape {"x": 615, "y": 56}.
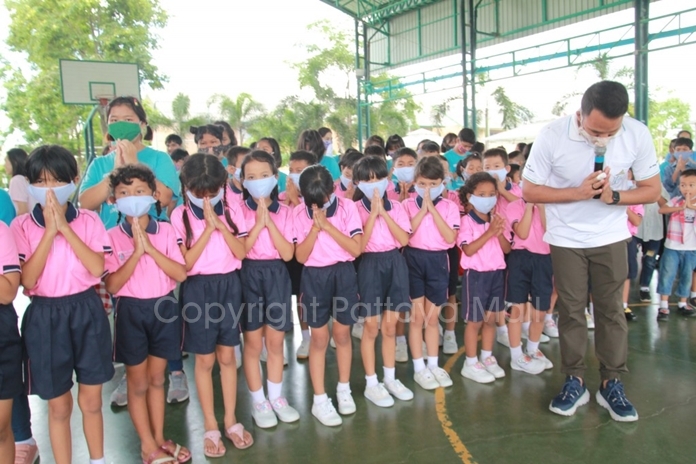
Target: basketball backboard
{"x": 88, "y": 82}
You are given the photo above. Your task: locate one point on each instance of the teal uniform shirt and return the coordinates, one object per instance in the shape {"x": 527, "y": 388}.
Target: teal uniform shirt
{"x": 7, "y": 209}
{"x": 330, "y": 163}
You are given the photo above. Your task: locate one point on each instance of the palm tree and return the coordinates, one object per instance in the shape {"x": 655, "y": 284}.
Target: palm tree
{"x": 239, "y": 113}
{"x": 513, "y": 113}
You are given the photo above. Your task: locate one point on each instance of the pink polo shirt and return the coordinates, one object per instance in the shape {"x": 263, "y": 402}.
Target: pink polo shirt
{"x": 217, "y": 258}
{"x": 453, "y": 196}
{"x": 234, "y": 196}
{"x": 427, "y": 236}
{"x": 638, "y": 209}
{"x": 501, "y": 206}
{"x": 340, "y": 190}
{"x": 382, "y": 238}
{"x": 535, "y": 242}
{"x": 9, "y": 256}
{"x": 343, "y": 214}
{"x": 394, "y": 191}
{"x": 490, "y": 256}
{"x": 281, "y": 215}
{"x": 64, "y": 273}
{"x": 148, "y": 279}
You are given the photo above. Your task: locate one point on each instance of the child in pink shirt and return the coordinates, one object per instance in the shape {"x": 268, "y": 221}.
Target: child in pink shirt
{"x": 495, "y": 163}
{"x": 404, "y": 171}
{"x": 635, "y": 217}
{"x": 235, "y": 157}
{"x": 144, "y": 266}
{"x": 344, "y": 185}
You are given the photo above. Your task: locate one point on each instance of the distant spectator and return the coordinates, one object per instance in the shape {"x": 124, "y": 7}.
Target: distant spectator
{"x": 520, "y": 147}
{"x": 516, "y": 157}
{"x": 228, "y": 137}
{"x": 375, "y": 150}
{"x": 683, "y": 154}
{"x": 15, "y": 162}
{"x": 375, "y": 140}
{"x": 448, "y": 142}
{"x": 394, "y": 144}
{"x": 310, "y": 140}
{"x": 173, "y": 142}
{"x": 684, "y": 134}
{"x": 179, "y": 157}
{"x": 327, "y": 137}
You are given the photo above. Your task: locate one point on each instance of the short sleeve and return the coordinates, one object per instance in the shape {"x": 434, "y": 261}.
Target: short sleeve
{"x": 9, "y": 256}
{"x": 353, "y": 221}
{"x": 637, "y": 209}
{"x": 177, "y": 221}
{"x": 21, "y": 240}
{"x": 452, "y": 216}
{"x": 672, "y": 202}
{"x": 400, "y": 217}
{"x": 173, "y": 250}
{"x": 407, "y": 208}
{"x": 96, "y": 237}
{"x": 111, "y": 263}
{"x": 18, "y": 189}
{"x": 466, "y": 232}
{"x": 237, "y": 216}
{"x": 298, "y": 225}
{"x": 95, "y": 172}
{"x": 645, "y": 165}
{"x": 514, "y": 212}
{"x": 537, "y": 169}
{"x": 288, "y": 229}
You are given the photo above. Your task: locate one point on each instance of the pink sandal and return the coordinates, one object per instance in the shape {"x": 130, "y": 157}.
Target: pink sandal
{"x": 215, "y": 438}
{"x": 178, "y": 451}
{"x": 152, "y": 459}
{"x": 239, "y": 437}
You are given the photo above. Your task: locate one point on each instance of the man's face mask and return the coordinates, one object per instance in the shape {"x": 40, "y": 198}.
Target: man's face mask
{"x": 594, "y": 141}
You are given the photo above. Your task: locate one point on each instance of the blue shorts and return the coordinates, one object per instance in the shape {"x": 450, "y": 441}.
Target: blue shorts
{"x": 632, "y": 249}
{"x": 11, "y": 383}
{"x": 529, "y": 274}
{"x": 295, "y": 270}
{"x": 330, "y": 291}
{"x": 383, "y": 283}
{"x": 211, "y": 306}
{"x": 428, "y": 274}
{"x": 147, "y": 327}
{"x": 482, "y": 292}
{"x": 63, "y": 335}
{"x": 453, "y": 256}
{"x": 267, "y": 295}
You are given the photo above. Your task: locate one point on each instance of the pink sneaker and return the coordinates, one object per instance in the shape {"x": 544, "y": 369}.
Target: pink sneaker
{"x": 26, "y": 454}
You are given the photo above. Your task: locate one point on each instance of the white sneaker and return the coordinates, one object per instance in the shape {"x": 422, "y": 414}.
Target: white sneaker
{"x": 442, "y": 335}
{"x": 326, "y": 414}
{"x": 238, "y": 355}
{"x": 119, "y": 397}
{"x": 357, "y": 331}
{"x": 346, "y": 405}
{"x": 178, "y": 391}
{"x": 263, "y": 415}
{"x": 590, "y": 320}
{"x": 332, "y": 343}
{"x": 477, "y": 372}
{"x": 284, "y": 411}
{"x": 503, "y": 339}
{"x": 303, "y": 350}
{"x": 426, "y": 379}
{"x": 425, "y": 350}
{"x": 398, "y": 390}
{"x": 539, "y": 356}
{"x": 491, "y": 365}
{"x": 401, "y": 352}
{"x": 442, "y": 377}
{"x": 449, "y": 344}
{"x": 550, "y": 328}
{"x": 527, "y": 364}
{"x": 379, "y": 396}
{"x": 542, "y": 339}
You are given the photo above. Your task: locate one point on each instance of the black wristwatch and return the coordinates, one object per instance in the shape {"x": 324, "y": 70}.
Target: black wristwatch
{"x": 615, "y": 197}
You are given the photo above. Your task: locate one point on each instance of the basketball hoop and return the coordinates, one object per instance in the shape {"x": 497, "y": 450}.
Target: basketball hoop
{"x": 104, "y": 99}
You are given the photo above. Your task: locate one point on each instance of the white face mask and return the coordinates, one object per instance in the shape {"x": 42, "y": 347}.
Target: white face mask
{"x": 596, "y": 142}
{"x": 237, "y": 174}
{"x": 261, "y": 188}
{"x": 499, "y": 174}
{"x": 405, "y": 174}
{"x": 295, "y": 177}
{"x": 199, "y": 201}
{"x": 346, "y": 181}
{"x": 135, "y": 206}
{"x": 328, "y": 203}
{"x": 483, "y": 204}
{"x": 368, "y": 188}
{"x": 62, "y": 193}
{"x": 434, "y": 191}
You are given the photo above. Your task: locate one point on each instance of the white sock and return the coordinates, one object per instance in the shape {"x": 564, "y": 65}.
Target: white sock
{"x": 321, "y": 399}
{"x": 625, "y": 304}
{"x": 371, "y": 380}
{"x": 258, "y": 396}
{"x": 418, "y": 365}
{"x": 97, "y": 461}
{"x": 693, "y": 294}
{"x": 449, "y": 333}
{"x": 681, "y": 304}
{"x": 548, "y": 317}
{"x": 471, "y": 361}
{"x": 238, "y": 351}
{"x": 647, "y": 289}
{"x": 389, "y": 374}
{"x": 525, "y": 327}
{"x": 516, "y": 353}
{"x": 30, "y": 442}
{"x": 305, "y": 335}
{"x": 591, "y": 308}
{"x": 274, "y": 390}
{"x": 501, "y": 330}
{"x": 432, "y": 362}
{"x": 361, "y": 320}
{"x": 485, "y": 355}
{"x": 401, "y": 339}
{"x": 664, "y": 304}
{"x": 532, "y": 347}
{"x": 343, "y": 387}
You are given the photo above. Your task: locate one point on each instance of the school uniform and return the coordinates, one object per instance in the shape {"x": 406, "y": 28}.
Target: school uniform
{"x": 503, "y": 203}
{"x": 383, "y": 273}
{"x": 426, "y": 253}
{"x": 211, "y": 296}
{"x": 65, "y": 328}
{"x": 453, "y": 254}
{"x": 329, "y": 286}
{"x": 266, "y": 285}
{"x": 233, "y": 195}
{"x": 483, "y": 282}
{"x": 341, "y": 190}
{"x": 530, "y": 271}
{"x": 394, "y": 193}
{"x": 632, "y": 243}
{"x": 11, "y": 383}
{"x": 147, "y": 320}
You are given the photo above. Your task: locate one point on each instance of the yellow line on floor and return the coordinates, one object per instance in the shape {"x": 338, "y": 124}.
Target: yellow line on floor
{"x": 441, "y": 409}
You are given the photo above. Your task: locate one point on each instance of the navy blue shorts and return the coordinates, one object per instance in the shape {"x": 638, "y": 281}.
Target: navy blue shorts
{"x": 295, "y": 270}
{"x": 62, "y": 335}
{"x": 267, "y": 295}
{"x": 632, "y": 248}
{"x": 211, "y": 306}
{"x": 453, "y": 256}
{"x": 330, "y": 291}
{"x": 11, "y": 383}
{"x": 147, "y": 327}
{"x": 428, "y": 274}
{"x": 530, "y": 274}
{"x": 383, "y": 283}
{"x": 482, "y": 292}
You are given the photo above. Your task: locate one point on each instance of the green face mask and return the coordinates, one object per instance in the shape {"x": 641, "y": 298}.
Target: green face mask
{"x": 124, "y": 130}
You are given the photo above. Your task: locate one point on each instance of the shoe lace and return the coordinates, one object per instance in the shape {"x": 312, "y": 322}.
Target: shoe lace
{"x": 280, "y": 403}
{"x": 616, "y": 394}
{"x": 263, "y": 407}
{"x": 177, "y": 382}
{"x": 571, "y": 389}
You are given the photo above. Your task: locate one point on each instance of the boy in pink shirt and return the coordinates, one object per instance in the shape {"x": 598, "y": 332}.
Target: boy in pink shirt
{"x": 635, "y": 217}
{"x": 495, "y": 163}
{"x": 235, "y": 157}
{"x": 344, "y": 185}
{"x": 404, "y": 171}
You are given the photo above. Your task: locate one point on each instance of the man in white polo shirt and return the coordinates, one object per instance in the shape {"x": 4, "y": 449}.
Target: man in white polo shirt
{"x": 579, "y": 166}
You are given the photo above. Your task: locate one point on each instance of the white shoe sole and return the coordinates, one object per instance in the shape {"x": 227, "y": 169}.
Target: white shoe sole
{"x": 287, "y": 417}
{"x": 447, "y": 349}
{"x": 177, "y": 400}
{"x": 383, "y": 403}
{"x": 403, "y": 396}
{"x": 347, "y": 411}
{"x": 430, "y": 387}
{"x": 582, "y": 401}
{"x": 603, "y": 403}
{"x": 335, "y": 423}
{"x": 476, "y": 379}
{"x": 516, "y": 367}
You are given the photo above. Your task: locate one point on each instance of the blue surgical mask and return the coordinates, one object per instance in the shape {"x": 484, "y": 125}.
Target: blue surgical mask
{"x": 237, "y": 174}
{"x": 199, "y": 201}
{"x": 483, "y": 204}
{"x": 500, "y": 174}
{"x": 295, "y": 178}
{"x": 261, "y": 188}
{"x": 135, "y": 206}
{"x": 434, "y": 191}
{"x": 332, "y": 198}
{"x": 405, "y": 174}
{"x": 62, "y": 193}
{"x": 346, "y": 181}
{"x": 368, "y": 188}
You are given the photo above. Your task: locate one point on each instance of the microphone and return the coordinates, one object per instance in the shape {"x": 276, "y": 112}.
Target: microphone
{"x": 599, "y": 152}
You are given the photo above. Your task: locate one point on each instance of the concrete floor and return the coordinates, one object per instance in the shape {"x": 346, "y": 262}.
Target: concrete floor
{"x": 504, "y": 422}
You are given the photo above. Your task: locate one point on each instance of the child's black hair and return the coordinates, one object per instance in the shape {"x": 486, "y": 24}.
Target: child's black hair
{"x": 514, "y": 169}
{"x": 375, "y": 150}
{"x": 173, "y": 138}
{"x": 134, "y": 104}
{"x": 179, "y": 154}
{"x": 323, "y": 131}
{"x": 125, "y": 175}
{"x": 447, "y": 140}
{"x": 430, "y": 147}
{"x": 225, "y": 126}
{"x": 467, "y": 135}
{"x": 275, "y": 147}
{"x": 514, "y": 154}
{"x": 376, "y": 140}
{"x": 316, "y": 185}
{"x": 688, "y": 173}
{"x": 203, "y": 174}
{"x": 311, "y": 141}
{"x": 234, "y": 153}
{"x": 462, "y": 164}
{"x": 303, "y": 155}
{"x": 394, "y": 142}
{"x": 18, "y": 160}
{"x": 262, "y": 157}
{"x": 429, "y": 167}
{"x": 470, "y": 186}
{"x": 366, "y": 169}
{"x": 684, "y": 142}
{"x": 405, "y": 152}
{"x": 527, "y": 150}
{"x": 496, "y": 152}
{"x": 54, "y": 159}
{"x": 212, "y": 129}
{"x": 478, "y": 147}
{"x": 349, "y": 159}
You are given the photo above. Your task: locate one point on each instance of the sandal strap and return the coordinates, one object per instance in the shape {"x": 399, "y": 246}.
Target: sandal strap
{"x": 213, "y": 435}
{"x": 237, "y": 429}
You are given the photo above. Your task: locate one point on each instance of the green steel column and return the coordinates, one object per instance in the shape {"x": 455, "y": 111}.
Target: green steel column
{"x": 472, "y": 56}
{"x": 642, "y": 11}
{"x": 465, "y": 80}
{"x": 359, "y": 90}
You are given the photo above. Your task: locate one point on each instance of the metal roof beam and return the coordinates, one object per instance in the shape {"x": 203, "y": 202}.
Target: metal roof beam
{"x": 394, "y": 8}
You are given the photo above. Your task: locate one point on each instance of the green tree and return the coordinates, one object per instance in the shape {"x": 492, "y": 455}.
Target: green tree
{"x": 48, "y": 30}
{"x": 513, "y": 113}
{"x": 181, "y": 119}
{"x": 666, "y": 118}
{"x": 239, "y": 113}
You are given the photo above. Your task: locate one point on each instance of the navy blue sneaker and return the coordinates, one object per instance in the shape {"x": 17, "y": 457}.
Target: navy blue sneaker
{"x": 613, "y": 399}
{"x": 572, "y": 396}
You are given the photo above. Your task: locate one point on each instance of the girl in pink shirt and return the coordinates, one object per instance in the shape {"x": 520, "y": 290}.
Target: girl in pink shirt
{"x": 212, "y": 232}
{"x": 144, "y": 266}
{"x": 344, "y": 185}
